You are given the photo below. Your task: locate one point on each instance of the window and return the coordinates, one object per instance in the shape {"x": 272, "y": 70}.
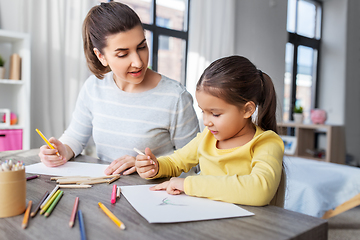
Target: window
{"x": 301, "y": 56}
{"x": 166, "y": 25}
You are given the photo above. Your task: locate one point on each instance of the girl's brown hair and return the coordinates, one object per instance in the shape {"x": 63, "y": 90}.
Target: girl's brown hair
{"x": 102, "y": 21}
{"x": 237, "y": 81}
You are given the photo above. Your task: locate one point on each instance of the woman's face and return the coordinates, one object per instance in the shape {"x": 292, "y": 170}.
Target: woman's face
{"x": 127, "y": 55}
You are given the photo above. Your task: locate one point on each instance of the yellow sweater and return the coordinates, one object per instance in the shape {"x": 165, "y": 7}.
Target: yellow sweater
{"x": 248, "y": 175}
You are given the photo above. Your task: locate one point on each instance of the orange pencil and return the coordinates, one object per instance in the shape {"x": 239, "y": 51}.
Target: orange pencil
{"x": 26, "y": 215}
{"x": 47, "y": 141}
{"x": 73, "y": 213}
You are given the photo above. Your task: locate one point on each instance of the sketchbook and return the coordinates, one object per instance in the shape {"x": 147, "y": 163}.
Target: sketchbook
{"x": 69, "y": 169}
{"x": 161, "y": 207}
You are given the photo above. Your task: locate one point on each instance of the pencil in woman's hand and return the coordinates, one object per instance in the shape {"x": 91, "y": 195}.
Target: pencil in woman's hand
{"x": 47, "y": 141}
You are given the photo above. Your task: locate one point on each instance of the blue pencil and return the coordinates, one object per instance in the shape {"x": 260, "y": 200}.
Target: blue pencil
{"x": 81, "y": 225}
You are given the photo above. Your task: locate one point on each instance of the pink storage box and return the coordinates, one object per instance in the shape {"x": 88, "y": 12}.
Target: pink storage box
{"x": 10, "y": 139}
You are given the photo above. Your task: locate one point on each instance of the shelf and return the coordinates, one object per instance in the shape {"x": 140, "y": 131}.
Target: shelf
{"x": 15, "y": 95}
{"x": 306, "y": 137}
{"x": 10, "y": 81}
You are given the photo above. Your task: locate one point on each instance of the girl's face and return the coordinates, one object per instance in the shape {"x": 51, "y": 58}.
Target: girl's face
{"x": 127, "y": 55}
{"x": 224, "y": 120}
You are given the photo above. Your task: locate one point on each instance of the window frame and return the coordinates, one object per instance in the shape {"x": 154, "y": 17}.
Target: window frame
{"x": 157, "y": 31}
{"x": 298, "y": 40}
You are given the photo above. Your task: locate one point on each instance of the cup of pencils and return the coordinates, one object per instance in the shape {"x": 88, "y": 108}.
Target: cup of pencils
{"x": 12, "y": 188}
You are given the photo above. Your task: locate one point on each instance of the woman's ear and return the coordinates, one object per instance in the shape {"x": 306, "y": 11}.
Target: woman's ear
{"x": 100, "y": 57}
{"x": 249, "y": 109}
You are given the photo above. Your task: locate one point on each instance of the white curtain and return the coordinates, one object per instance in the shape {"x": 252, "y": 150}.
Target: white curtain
{"x": 58, "y": 66}
{"x": 211, "y": 36}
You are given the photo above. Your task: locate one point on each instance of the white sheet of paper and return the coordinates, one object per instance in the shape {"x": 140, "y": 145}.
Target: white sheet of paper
{"x": 69, "y": 169}
{"x": 161, "y": 207}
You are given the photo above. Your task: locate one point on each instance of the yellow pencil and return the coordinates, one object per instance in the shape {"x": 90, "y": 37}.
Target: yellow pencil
{"x": 47, "y": 142}
{"x": 47, "y": 205}
{"x": 112, "y": 216}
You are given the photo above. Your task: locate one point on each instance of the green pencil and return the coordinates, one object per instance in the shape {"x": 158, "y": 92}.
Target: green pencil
{"x": 53, "y": 204}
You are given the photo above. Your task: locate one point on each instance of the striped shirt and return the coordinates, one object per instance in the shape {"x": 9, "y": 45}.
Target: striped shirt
{"x": 162, "y": 118}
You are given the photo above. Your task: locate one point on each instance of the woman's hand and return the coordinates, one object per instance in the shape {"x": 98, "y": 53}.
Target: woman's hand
{"x": 49, "y": 157}
{"x": 120, "y": 165}
{"x": 147, "y": 165}
{"x": 174, "y": 186}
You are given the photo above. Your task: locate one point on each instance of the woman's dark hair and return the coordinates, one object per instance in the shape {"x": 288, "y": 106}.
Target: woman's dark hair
{"x": 102, "y": 21}
{"x": 237, "y": 81}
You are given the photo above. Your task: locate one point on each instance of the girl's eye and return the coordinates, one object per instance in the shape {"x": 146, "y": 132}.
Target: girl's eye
{"x": 216, "y": 115}
{"x": 121, "y": 56}
{"x": 142, "y": 47}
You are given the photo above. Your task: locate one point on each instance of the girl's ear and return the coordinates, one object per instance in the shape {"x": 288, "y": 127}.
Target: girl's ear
{"x": 100, "y": 57}
{"x": 249, "y": 109}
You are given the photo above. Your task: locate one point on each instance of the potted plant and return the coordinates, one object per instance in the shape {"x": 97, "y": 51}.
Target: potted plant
{"x": 2, "y": 68}
{"x": 298, "y": 114}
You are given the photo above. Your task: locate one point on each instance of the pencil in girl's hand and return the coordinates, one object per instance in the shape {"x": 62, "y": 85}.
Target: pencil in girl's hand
{"x": 141, "y": 153}
{"x": 39, "y": 204}
{"x": 138, "y": 151}
{"x": 73, "y": 213}
{"x": 47, "y": 141}
{"x": 26, "y": 215}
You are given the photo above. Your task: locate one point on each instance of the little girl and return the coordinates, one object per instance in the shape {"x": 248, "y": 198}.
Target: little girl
{"x": 240, "y": 160}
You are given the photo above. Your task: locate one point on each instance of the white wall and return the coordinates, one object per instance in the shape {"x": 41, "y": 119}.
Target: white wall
{"x": 352, "y": 85}
{"x": 333, "y": 61}
{"x": 261, "y": 36}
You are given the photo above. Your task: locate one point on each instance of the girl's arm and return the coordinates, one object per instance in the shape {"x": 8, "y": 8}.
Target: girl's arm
{"x": 256, "y": 188}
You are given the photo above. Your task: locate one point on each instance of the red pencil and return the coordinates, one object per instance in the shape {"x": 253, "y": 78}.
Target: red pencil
{"x": 113, "y": 195}
{"x": 73, "y": 213}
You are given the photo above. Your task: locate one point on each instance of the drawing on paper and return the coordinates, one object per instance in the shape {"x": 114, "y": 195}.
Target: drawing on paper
{"x": 167, "y": 201}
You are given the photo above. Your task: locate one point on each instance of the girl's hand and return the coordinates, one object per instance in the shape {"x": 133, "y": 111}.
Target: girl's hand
{"x": 120, "y": 165}
{"x": 174, "y": 186}
{"x": 49, "y": 157}
{"x": 147, "y": 165}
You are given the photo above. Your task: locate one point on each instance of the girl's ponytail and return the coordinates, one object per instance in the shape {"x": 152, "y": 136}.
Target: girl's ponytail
{"x": 267, "y": 107}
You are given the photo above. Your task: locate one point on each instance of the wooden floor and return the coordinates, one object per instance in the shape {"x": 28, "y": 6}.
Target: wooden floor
{"x": 345, "y": 226}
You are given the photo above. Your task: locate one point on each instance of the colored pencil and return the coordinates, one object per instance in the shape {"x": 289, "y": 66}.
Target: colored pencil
{"x": 111, "y": 216}
{"x": 73, "y": 213}
{"x": 113, "y": 194}
{"x": 114, "y": 179}
{"x": 32, "y": 177}
{"x": 139, "y": 152}
{"x": 81, "y": 225}
{"x": 47, "y": 141}
{"x": 53, "y": 204}
{"x": 48, "y": 197}
{"x": 47, "y": 205}
{"x": 75, "y": 186}
{"x": 39, "y": 204}
{"x": 26, "y": 215}
{"x": 118, "y": 191}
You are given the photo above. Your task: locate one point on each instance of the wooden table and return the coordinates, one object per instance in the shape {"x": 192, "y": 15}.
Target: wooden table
{"x": 269, "y": 222}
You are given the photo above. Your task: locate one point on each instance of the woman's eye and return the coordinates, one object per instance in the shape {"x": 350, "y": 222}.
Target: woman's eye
{"x": 121, "y": 56}
{"x": 142, "y": 47}
{"x": 216, "y": 115}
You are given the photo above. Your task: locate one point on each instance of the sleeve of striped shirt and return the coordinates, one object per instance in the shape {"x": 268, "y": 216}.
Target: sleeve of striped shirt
{"x": 185, "y": 124}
